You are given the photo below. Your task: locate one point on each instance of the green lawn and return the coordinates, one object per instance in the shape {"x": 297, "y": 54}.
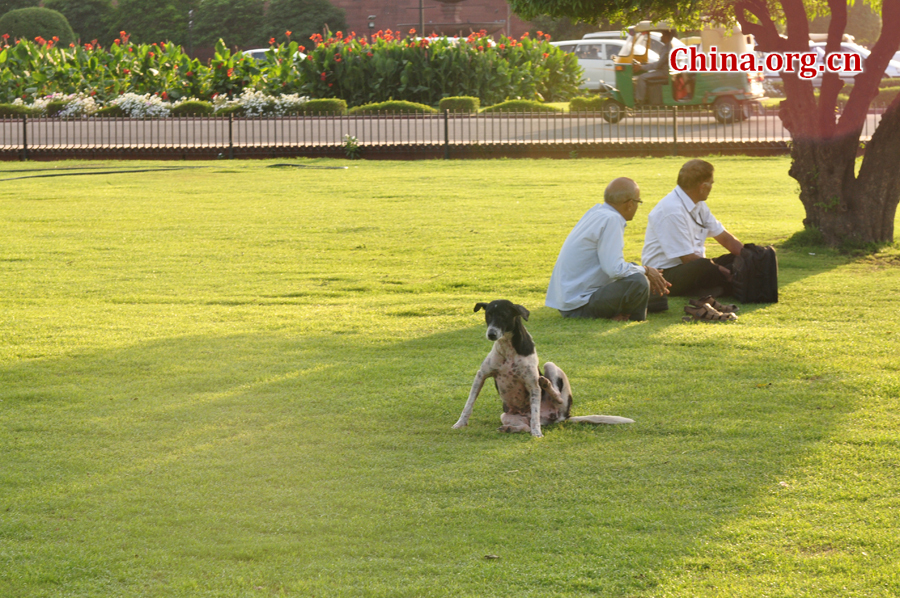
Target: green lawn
{"x": 238, "y": 381}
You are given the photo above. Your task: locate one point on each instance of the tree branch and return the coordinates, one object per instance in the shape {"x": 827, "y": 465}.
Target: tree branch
{"x": 866, "y": 86}
{"x": 831, "y": 82}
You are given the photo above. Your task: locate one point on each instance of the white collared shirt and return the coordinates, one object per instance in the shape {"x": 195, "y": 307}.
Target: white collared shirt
{"x": 591, "y": 257}
{"x": 676, "y": 227}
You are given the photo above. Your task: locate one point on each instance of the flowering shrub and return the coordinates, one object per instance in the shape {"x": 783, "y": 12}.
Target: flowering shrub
{"x": 141, "y": 106}
{"x": 360, "y": 71}
{"x": 257, "y": 103}
{"x": 425, "y": 70}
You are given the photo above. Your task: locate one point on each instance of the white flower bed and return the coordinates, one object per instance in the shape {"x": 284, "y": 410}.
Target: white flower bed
{"x": 145, "y": 106}
{"x": 253, "y": 103}
{"x": 257, "y": 103}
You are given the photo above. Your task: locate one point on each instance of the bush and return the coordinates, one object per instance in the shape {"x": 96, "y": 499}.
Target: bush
{"x": 427, "y": 70}
{"x": 521, "y": 106}
{"x": 586, "y": 104}
{"x": 192, "y": 108}
{"x": 460, "y": 104}
{"x": 393, "y": 107}
{"x": 324, "y": 106}
{"x": 55, "y": 107}
{"x": 111, "y": 112}
{"x": 14, "y": 110}
{"x": 35, "y": 23}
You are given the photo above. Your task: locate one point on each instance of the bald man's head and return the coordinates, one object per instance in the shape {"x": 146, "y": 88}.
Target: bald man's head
{"x": 620, "y": 191}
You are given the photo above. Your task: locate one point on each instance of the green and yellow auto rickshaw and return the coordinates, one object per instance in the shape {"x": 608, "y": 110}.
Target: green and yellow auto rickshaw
{"x": 730, "y": 95}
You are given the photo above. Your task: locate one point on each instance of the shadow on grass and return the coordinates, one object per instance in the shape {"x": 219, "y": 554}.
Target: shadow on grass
{"x": 327, "y": 463}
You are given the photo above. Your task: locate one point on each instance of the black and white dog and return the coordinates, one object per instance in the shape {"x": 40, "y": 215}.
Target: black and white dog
{"x": 529, "y": 399}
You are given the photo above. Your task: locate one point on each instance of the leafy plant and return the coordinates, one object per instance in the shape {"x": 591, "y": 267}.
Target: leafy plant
{"x": 351, "y": 147}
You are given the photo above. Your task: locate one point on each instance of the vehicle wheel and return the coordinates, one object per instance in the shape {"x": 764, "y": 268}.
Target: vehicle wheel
{"x": 727, "y": 110}
{"x": 612, "y": 111}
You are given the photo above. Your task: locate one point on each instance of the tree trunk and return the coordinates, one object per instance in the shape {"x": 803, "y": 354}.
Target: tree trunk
{"x": 845, "y": 207}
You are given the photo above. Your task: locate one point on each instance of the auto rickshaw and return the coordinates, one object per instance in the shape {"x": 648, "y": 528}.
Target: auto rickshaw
{"x": 729, "y": 95}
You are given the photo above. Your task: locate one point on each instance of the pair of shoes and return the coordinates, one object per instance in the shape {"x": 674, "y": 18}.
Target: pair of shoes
{"x": 706, "y": 313}
{"x": 725, "y": 309}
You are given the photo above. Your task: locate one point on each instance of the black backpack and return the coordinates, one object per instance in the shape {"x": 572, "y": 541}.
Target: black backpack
{"x": 756, "y": 275}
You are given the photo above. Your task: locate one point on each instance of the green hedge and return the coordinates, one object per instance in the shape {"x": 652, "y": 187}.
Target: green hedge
{"x": 13, "y": 110}
{"x": 586, "y": 104}
{"x": 521, "y": 106}
{"x": 460, "y": 104}
{"x": 192, "y": 108}
{"x": 393, "y": 107}
{"x": 325, "y": 106}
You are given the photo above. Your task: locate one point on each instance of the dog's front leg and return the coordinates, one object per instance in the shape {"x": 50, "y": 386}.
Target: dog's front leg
{"x": 482, "y": 375}
{"x": 535, "y": 391}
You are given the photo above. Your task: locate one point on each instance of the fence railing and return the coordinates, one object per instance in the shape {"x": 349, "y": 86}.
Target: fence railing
{"x": 227, "y": 133}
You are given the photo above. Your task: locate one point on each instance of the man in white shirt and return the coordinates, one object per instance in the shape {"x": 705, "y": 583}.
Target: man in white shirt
{"x": 591, "y": 278}
{"x": 677, "y": 229}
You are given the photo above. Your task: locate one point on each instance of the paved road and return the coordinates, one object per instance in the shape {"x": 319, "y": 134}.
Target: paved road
{"x": 428, "y": 130}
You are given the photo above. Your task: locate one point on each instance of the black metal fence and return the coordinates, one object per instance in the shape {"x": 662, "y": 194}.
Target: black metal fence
{"x": 669, "y": 127}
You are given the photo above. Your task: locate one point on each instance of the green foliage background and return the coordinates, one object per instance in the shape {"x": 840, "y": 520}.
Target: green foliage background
{"x": 351, "y": 69}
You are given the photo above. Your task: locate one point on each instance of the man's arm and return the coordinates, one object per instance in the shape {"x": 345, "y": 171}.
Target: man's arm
{"x": 729, "y": 242}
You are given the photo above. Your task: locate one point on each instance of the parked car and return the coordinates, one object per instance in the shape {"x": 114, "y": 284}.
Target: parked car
{"x": 259, "y": 54}
{"x": 596, "y": 58}
{"x": 893, "y": 67}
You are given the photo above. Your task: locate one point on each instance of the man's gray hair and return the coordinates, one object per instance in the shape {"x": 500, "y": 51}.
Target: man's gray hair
{"x": 619, "y": 191}
{"x": 694, "y": 173}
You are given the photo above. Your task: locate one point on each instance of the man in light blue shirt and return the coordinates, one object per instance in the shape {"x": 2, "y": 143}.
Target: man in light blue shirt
{"x": 591, "y": 278}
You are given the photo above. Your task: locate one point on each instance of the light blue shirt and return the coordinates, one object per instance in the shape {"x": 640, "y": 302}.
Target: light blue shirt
{"x": 591, "y": 257}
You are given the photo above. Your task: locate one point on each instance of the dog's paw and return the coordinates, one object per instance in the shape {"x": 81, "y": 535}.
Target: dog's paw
{"x": 537, "y": 434}
{"x": 545, "y": 383}
{"x": 459, "y": 424}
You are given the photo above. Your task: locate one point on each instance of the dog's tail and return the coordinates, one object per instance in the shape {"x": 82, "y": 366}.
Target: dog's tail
{"x": 601, "y": 419}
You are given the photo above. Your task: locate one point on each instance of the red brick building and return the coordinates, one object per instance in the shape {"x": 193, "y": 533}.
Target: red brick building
{"x": 451, "y": 17}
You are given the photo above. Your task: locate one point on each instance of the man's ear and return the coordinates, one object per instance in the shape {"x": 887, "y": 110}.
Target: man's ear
{"x": 480, "y": 306}
{"x": 523, "y": 312}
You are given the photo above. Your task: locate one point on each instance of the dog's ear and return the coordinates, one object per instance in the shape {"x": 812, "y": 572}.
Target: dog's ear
{"x": 523, "y": 312}
{"x": 480, "y": 306}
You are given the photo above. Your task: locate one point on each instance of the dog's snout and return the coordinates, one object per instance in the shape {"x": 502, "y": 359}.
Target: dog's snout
{"x": 494, "y": 333}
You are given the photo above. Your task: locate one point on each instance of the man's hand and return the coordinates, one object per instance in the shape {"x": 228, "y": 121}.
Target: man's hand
{"x": 658, "y": 284}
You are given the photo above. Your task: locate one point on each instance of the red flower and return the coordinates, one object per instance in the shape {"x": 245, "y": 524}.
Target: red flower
{"x": 540, "y": 34}
{"x": 301, "y": 48}
{"x": 331, "y": 85}
{"x": 123, "y": 34}
{"x": 165, "y": 95}
{"x": 339, "y": 35}
{"x": 55, "y": 38}
{"x": 5, "y": 36}
{"x": 412, "y": 31}
{"x": 271, "y": 41}
{"x": 126, "y": 71}
{"x": 369, "y": 54}
{"x": 502, "y": 47}
{"x": 93, "y": 92}
{"x": 287, "y": 33}
{"x": 546, "y": 55}
{"x": 481, "y": 48}
{"x": 324, "y": 76}
{"x": 229, "y": 72}
{"x": 189, "y": 74}
{"x": 547, "y": 36}
{"x": 337, "y": 57}
{"x": 151, "y": 54}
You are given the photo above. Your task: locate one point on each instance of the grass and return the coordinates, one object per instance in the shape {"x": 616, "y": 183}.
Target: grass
{"x": 240, "y": 381}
